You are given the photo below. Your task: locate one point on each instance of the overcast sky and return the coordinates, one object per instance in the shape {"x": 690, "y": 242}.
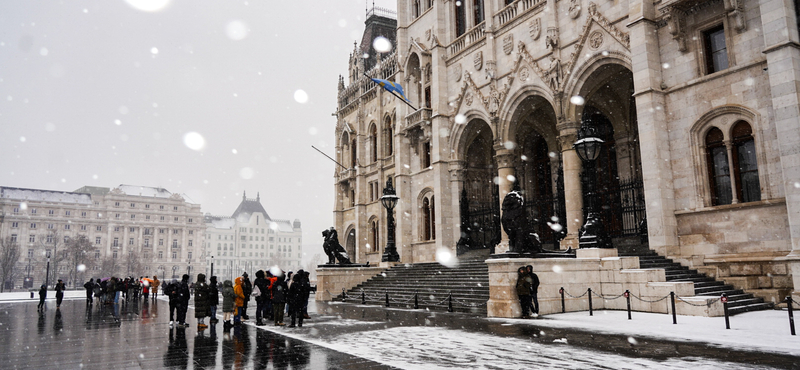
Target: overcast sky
{"x": 103, "y": 93}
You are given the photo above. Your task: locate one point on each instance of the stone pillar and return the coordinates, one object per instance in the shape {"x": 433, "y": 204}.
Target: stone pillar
{"x": 573, "y": 193}
{"x": 653, "y": 133}
{"x": 734, "y": 190}
{"x": 505, "y": 172}
{"x": 783, "y": 60}
{"x": 457, "y": 175}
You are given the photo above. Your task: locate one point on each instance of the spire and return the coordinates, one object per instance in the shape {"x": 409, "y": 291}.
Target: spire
{"x": 244, "y": 195}
{"x": 258, "y": 197}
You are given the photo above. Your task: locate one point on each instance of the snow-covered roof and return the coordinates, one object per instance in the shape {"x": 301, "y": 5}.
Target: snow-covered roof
{"x": 45, "y": 195}
{"x": 284, "y": 226}
{"x": 144, "y": 191}
{"x": 219, "y": 222}
{"x": 249, "y": 206}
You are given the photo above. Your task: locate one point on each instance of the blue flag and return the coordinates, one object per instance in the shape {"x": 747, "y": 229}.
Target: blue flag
{"x": 390, "y": 86}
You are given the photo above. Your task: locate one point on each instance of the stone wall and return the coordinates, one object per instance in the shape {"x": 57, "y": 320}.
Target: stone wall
{"x": 331, "y": 280}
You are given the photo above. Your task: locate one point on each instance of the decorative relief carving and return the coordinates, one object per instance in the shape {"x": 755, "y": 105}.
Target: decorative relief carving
{"x": 596, "y": 40}
{"x": 524, "y": 73}
{"x": 508, "y": 43}
{"x": 595, "y": 17}
{"x": 491, "y": 103}
{"x": 551, "y": 41}
{"x": 535, "y": 28}
{"x": 574, "y": 9}
{"x": 458, "y": 72}
{"x": 478, "y": 60}
{"x": 675, "y": 25}
{"x": 468, "y": 99}
{"x": 735, "y": 10}
{"x": 428, "y": 35}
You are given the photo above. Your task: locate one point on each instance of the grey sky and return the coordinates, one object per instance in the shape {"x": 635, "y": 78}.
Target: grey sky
{"x": 100, "y": 93}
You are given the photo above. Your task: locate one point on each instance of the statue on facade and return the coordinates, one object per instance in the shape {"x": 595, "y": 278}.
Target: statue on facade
{"x": 333, "y": 249}
{"x": 521, "y": 238}
{"x": 554, "y": 74}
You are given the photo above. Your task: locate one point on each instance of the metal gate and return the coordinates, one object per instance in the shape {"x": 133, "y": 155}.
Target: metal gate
{"x": 480, "y": 223}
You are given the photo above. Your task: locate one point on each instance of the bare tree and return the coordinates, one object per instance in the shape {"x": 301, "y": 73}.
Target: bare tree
{"x": 78, "y": 250}
{"x": 133, "y": 264}
{"x": 109, "y": 267}
{"x": 9, "y": 256}
{"x": 311, "y": 266}
{"x": 53, "y": 241}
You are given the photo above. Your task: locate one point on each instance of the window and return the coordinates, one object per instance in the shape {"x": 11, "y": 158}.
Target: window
{"x": 114, "y": 255}
{"x": 50, "y": 226}
{"x": 190, "y": 243}
{"x": 176, "y": 219}
{"x": 162, "y": 218}
{"x": 116, "y": 204}
{"x": 745, "y": 164}
{"x": 83, "y": 227}
{"x": 415, "y": 8}
{"x": 130, "y": 241}
{"x": 160, "y": 241}
{"x": 116, "y": 228}
{"x": 14, "y": 225}
{"x": 99, "y": 228}
{"x": 33, "y": 210}
{"x": 97, "y": 240}
{"x": 16, "y": 209}
{"x": 373, "y": 141}
{"x": 51, "y": 212}
{"x": 191, "y": 232}
{"x": 14, "y": 239}
{"x": 189, "y": 255}
{"x": 133, "y": 205}
{"x": 353, "y": 153}
{"x": 33, "y": 225}
{"x": 133, "y": 217}
{"x": 147, "y": 242}
{"x": 160, "y": 207}
{"x": 718, "y": 169}
{"x": 160, "y": 254}
{"x": 147, "y": 217}
{"x": 426, "y": 154}
{"x": 161, "y": 231}
{"x": 116, "y": 215}
{"x": 115, "y": 244}
{"x": 461, "y": 17}
{"x": 716, "y": 51}
{"x": 174, "y": 208}
{"x": 190, "y": 220}
{"x": 147, "y": 206}
{"x": 174, "y": 255}
{"x": 174, "y": 243}
{"x": 428, "y": 219}
{"x": 66, "y": 227}
{"x": 477, "y": 9}
{"x": 132, "y": 229}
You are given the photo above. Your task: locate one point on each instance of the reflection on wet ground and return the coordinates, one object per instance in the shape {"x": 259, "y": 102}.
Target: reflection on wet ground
{"x": 136, "y": 335}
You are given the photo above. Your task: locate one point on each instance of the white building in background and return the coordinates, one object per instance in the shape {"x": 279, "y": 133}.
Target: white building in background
{"x": 250, "y": 240}
{"x": 134, "y": 230}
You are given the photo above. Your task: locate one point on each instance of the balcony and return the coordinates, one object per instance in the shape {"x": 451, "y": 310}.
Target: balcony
{"x": 468, "y": 39}
{"x": 418, "y": 117}
{"x": 515, "y": 9}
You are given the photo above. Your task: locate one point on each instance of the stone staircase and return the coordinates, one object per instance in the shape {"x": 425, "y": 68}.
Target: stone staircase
{"x": 738, "y": 300}
{"x": 433, "y": 284}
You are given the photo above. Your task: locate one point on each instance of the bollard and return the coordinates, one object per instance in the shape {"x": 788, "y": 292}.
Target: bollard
{"x": 363, "y": 297}
{"x": 628, "y": 298}
{"x": 416, "y": 301}
{"x": 450, "y": 302}
{"x": 791, "y": 313}
{"x": 563, "y": 308}
{"x": 674, "y": 314}
{"x": 724, "y": 300}
{"x": 591, "y": 313}
{"x": 387, "y": 298}
{"x": 344, "y": 295}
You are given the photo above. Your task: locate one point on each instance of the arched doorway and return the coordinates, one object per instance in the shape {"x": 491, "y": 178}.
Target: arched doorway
{"x": 611, "y": 110}
{"x": 479, "y": 203}
{"x": 350, "y": 244}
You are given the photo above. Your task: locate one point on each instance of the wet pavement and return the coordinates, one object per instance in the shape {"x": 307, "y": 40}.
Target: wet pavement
{"x": 79, "y": 337}
{"x": 338, "y": 336}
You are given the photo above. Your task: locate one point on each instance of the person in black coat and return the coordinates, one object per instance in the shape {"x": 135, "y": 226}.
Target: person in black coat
{"x": 247, "y": 289}
{"x": 306, "y": 292}
{"x": 60, "y": 288}
{"x": 89, "y": 286}
{"x": 42, "y": 297}
{"x": 183, "y": 300}
{"x": 171, "y": 291}
{"x": 279, "y": 291}
{"x": 213, "y": 299}
{"x": 262, "y": 284}
{"x": 534, "y": 290}
{"x": 295, "y": 299}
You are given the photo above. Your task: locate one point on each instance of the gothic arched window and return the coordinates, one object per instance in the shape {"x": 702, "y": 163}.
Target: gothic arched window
{"x": 745, "y": 163}
{"x": 718, "y": 169}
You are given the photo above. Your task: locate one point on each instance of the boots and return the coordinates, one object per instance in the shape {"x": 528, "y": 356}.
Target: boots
{"x": 227, "y": 325}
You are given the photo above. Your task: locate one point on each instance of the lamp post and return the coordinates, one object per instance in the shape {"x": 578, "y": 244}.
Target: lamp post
{"x": 588, "y": 146}
{"x": 47, "y": 276}
{"x": 212, "y": 265}
{"x": 389, "y": 201}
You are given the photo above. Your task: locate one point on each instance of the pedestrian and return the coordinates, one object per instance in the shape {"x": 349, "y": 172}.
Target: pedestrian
{"x": 261, "y": 294}
{"x": 213, "y": 299}
{"x": 171, "y": 291}
{"x": 247, "y": 289}
{"x": 288, "y": 285}
{"x": 119, "y": 287}
{"x": 155, "y": 285}
{"x": 145, "y": 288}
{"x": 524, "y": 283}
{"x": 270, "y": 312}
{"x": 239, "y": 292}
{"x": 98, "y": 292}
{"x": 183, "y": 300}
{"x": 228, "y": 303}
{"x": 201, "y": 309}
{"x": 42, "y": 297}
{"x": 534, "y": 291}
{"x": 89, "y": 286}
{"x": 306, "y": 292}
{"x": 279, "y": 290}
{"x": 295, "y": 299}
{"x": 60, "y": 288}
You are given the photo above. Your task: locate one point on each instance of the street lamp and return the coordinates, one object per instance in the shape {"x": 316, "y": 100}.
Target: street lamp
{"x": 212, "y": 265}
{"x": 588, "y": 146}
{"x": 389, "y": 201}
{"x": 47, "y": 276}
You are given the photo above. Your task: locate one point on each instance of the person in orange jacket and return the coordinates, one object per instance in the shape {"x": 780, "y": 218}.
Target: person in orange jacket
{"x": 239, "y": 302}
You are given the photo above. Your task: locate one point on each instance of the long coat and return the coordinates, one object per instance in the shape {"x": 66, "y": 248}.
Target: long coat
{"x": 201, "y": 291}
{"x": 213, "y": 293}
{"x": 228, "y": 296}
{"x": 237, "y": 289}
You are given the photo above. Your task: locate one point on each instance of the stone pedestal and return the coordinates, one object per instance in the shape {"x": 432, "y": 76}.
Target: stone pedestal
{"x": 331, "y": 281}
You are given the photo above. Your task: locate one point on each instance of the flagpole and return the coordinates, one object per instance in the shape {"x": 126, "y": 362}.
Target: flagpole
{"x": 334, "y": 161}
{"x": 392, "y": 92}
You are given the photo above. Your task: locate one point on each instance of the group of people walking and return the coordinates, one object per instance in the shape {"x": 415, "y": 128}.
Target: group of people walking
{"x": 527, "y": 291}
{"x": 110, "y": 290}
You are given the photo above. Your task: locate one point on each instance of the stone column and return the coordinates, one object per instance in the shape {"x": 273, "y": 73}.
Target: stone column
{"x": 573, "y": 193}
{"x": 653, "y": 133}
{"x": 457, "y": 174}
{"x": 505, "y": 172}
{"x": 783, "y": 60}
{"x": 731, "y": 171}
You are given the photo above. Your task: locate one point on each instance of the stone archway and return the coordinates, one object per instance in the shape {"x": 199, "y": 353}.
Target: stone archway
{"x": 479, "y": 200}
{"x": 350, "y": 244}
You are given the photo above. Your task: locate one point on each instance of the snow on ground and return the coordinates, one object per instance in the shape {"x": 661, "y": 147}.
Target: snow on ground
{"x": 764, "y": 331}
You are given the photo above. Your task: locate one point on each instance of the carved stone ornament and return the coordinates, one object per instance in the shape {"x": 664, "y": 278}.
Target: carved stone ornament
{"x": 735, "y": 10}
{"x": 574, "y": 8}
{"x": 508, "y": 43}
{"x": 675, "y": 25}
{"x": 524, "y": 73}
{"x": 536, "y": 28}
{"x": 551, "y": 41}
{"x": 478, "y": 60}
{"x": 596, "y": 40}
{"x": 458, "y": 72}
{"x": 427, "y": 35}
{"x": 468, "y": 99}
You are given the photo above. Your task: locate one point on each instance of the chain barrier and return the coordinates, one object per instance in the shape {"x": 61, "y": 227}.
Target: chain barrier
{"x": 707, "y": 304}
{"x": 572, "y": 296}
{"x": 402, "y": 302}
{"x": 647, "y": 300}
{"x": 602, "y": 296}
{"x": 465, "y": 303}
